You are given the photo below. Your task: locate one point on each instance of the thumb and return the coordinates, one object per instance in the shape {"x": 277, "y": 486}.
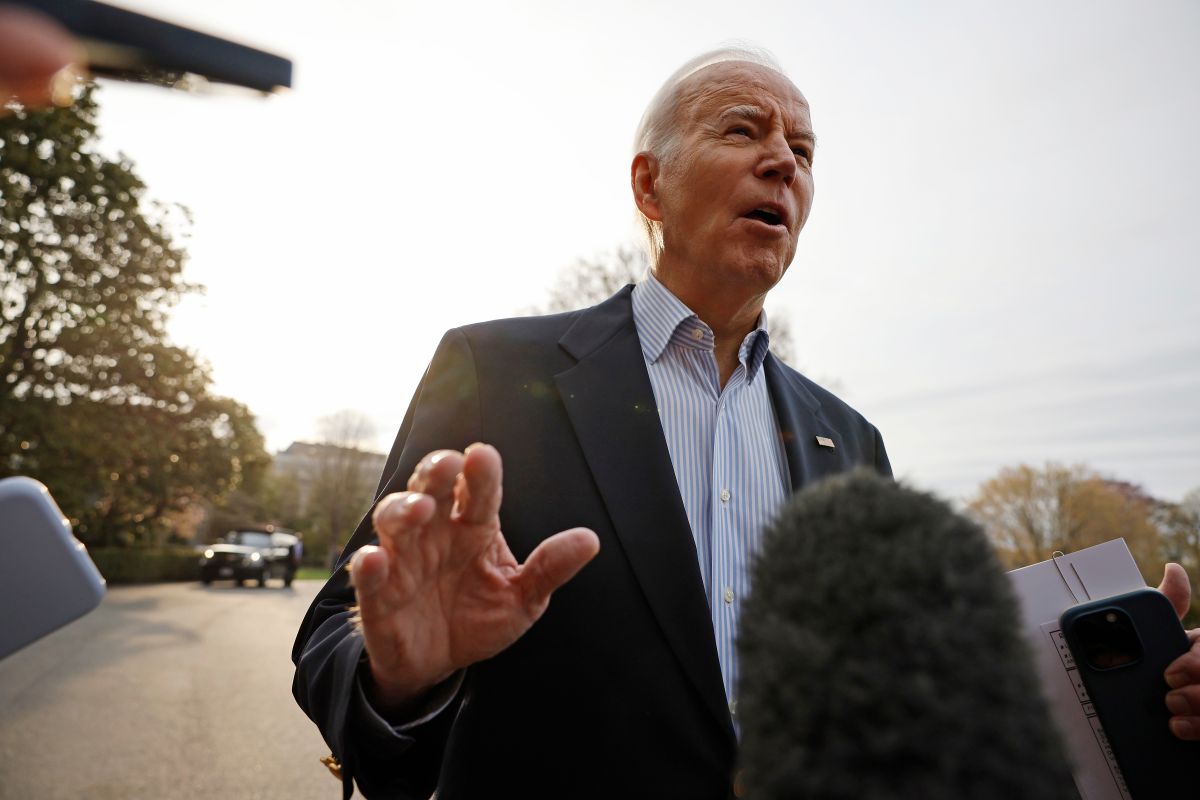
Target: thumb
{"x": 1177, "y": 588}
{"x": 553, "y": 563}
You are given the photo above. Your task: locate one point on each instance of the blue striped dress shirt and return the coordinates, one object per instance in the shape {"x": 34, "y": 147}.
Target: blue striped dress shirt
{"x": 725, "y": 448}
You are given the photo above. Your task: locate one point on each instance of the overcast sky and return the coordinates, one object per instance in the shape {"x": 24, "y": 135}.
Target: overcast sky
{"x": 1000, "y": 266}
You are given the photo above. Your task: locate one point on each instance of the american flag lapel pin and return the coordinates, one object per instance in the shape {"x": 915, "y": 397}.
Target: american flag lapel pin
{"x": 825, "y": 441}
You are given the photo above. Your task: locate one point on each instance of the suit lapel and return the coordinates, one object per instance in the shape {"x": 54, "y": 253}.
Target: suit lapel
{"x": 611, "y": 405}
{"x": 800, "y": 425}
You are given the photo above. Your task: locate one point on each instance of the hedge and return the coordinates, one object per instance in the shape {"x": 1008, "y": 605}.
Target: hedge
{"x": 144, "y": 565}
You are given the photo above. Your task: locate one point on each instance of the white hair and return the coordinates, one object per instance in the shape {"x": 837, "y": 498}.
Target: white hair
{"x": 658, "y": 132}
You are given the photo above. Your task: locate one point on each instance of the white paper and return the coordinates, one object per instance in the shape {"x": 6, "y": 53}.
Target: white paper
{"x": 1045, "y": 591}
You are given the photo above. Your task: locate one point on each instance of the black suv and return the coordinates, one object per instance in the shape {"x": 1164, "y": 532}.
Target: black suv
{"x": 256, "y": 555}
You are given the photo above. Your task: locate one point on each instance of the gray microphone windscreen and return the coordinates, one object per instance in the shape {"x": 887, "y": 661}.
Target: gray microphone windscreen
{"x": 881, "y": 657}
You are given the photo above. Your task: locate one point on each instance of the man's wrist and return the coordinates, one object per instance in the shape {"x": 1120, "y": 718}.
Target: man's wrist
{"x": 410, "y": 709}
{"x": 399, "y": 701}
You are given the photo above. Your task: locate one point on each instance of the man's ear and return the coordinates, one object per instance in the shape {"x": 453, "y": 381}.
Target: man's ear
{"x": 643, "y": 178}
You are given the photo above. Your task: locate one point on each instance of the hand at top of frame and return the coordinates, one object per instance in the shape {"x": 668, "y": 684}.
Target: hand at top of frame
{"x": 34, "y": 49}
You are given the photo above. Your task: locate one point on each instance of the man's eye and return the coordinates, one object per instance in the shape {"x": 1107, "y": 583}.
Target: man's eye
{"x": 802, "y": 152}
{"x": 739, "y": 131}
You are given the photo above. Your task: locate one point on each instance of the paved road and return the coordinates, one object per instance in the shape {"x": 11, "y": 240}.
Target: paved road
{"x": 164, "y": 691}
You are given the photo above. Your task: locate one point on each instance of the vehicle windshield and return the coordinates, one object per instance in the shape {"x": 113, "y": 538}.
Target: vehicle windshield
{"x": 249, "y": 538}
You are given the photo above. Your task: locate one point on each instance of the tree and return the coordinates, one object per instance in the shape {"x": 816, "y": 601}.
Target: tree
{"x": 1029, "y": 513}
{"x": 1179, "y": 524}
{"x": 321, "y": 489}
{"x": 89, "y": 269}
{"x": 94, "y": 400}
{"x": 345, "y": 473}
{"x": 590, "y": 281}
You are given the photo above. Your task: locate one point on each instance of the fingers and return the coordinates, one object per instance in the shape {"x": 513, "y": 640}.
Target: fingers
{"x": 553, "y": 563}
{"x": 472, "y": 479}
{"x": 398, "y": 516}
{"x": 1177, "y": 588}
{"x": 436, "y": 473}
{"x": 1185, "y": 670}
{"x": 1185, "y": 708}
{"x": 1183, "y": 676}
{"x": 478, "y": 491}
{"x": 368, "y": 571}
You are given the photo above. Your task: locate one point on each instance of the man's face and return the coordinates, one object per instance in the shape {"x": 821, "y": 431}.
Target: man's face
{"x": 733, "y": 199}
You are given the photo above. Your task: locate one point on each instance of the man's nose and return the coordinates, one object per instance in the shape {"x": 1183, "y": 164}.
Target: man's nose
{"x": 778, "y": 160}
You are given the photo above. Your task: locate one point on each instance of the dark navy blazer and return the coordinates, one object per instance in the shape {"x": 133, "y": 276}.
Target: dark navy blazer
{"x": 616, "y": 692}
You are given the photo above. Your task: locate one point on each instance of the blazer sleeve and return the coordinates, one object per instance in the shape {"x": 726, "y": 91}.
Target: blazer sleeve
{"x": 882, "y": 465}
{"x": 328, "y": 652}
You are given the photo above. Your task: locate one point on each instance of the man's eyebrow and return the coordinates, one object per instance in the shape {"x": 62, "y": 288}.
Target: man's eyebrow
{"x": 756, "y": 114}
{"x": 749, "y": 112}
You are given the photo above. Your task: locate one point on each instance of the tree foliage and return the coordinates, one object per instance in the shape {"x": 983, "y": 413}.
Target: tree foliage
{"x": 592, "y": 280}
{"x": 321, "y": 489}
{"x": 94, "y": 399}
{"x": 88, "y": 269}
{"x": 344, "y": 475}
{"x": 1180, "y": 526}
{"x": 1029, "y": 513}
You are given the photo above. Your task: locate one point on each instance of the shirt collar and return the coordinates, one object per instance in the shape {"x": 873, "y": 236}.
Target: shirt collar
{"x": 661, "y": 318}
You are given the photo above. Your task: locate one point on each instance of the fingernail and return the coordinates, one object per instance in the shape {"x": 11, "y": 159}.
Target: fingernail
{"x": 1176, "y": 679}
{"x": 410, "y": 500}
{"x": 1178, "y": 704}
{"x": 1183, "y": 729}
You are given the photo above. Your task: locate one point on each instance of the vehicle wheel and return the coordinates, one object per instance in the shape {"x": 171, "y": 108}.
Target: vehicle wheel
{"x": 207, "y": 581}
{"x": 262, "y": 577}
{"x": 288, "y": 578}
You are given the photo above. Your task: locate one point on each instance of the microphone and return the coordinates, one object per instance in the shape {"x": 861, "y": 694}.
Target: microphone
{"x": 881, "y": 657}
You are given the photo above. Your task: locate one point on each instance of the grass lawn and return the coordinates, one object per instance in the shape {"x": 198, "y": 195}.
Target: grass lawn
{"x": 312, "y": 574}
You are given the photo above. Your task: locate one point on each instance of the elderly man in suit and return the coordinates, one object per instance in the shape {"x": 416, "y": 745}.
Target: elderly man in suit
{"x": 659, "y": 420}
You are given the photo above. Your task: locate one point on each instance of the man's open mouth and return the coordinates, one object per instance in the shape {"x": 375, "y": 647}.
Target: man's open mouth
{"x": 766, "y": 214}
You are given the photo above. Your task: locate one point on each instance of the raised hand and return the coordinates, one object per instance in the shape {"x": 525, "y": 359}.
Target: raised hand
{"x": 1183, "y": 674}
{"x": 442, "y": 590}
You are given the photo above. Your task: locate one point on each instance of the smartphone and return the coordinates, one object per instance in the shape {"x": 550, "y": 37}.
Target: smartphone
{"x": 1122, "y": 646}
{"x": 129, "y": 46}
{"x": 46, "y": 577}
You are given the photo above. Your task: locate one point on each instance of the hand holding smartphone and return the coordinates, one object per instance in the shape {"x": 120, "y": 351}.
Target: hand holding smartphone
{"x": 1122, "y": 646}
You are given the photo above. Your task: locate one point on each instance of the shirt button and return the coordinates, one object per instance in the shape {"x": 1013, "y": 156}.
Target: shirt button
{"x": 728, "y": 595}
{"x": 725, "y": 495}
{"x": 697, "y": 334}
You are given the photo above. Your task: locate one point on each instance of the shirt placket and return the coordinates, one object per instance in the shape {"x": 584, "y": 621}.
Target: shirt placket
{"x": 725, "y": 600}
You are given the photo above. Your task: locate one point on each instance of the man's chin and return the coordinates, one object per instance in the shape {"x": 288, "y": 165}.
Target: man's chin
{"x": 762, "y": 270}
